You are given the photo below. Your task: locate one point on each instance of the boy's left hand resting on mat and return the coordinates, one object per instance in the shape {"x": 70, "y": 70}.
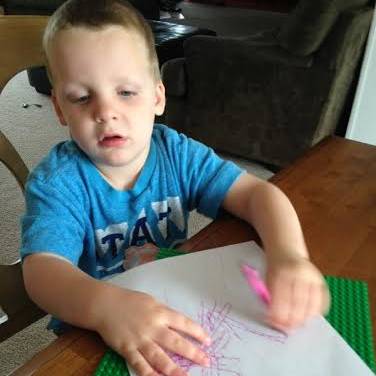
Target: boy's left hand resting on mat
{"x": 142, "y": 330}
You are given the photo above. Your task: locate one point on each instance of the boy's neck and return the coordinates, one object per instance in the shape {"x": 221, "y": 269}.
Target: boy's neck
{"x": 122, "y": 178}
{"x": 119, "y": 182}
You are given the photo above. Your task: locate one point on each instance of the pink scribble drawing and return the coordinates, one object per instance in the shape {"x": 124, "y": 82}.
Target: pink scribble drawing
{"x": 222, "y": 329}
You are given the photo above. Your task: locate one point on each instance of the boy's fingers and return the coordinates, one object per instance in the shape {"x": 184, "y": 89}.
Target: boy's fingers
{"x": 138, "y": 362}
{"x": 279, "y": 308}
{"x": 281, "y": 328}
{"x": 175, "y": 343}
{"x": 160, "y": 361}
{"x": 187, "y": 326}
{"x": 326, "y": 299}
{"x": 300, "y": 301}
{"x": 315, "y": 303}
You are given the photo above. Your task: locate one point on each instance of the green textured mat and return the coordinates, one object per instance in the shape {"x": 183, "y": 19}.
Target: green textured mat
{"x": 349, "y": 315}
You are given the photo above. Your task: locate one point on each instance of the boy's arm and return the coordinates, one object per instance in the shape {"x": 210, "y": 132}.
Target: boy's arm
{"x": 297, "y": 288}
{"x": 270, "y": 212}
{"x": 62, "y": 290}
{"x": 132, "y": 323}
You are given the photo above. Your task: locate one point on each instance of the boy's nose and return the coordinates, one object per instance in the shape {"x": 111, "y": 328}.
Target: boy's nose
{"x": 104, "y": 112}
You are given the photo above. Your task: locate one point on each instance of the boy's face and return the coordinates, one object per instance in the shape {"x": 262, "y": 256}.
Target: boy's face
{"x": 105, "y": 92}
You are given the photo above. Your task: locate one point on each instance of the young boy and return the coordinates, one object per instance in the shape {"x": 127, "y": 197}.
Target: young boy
{"x": 123, "y": 182}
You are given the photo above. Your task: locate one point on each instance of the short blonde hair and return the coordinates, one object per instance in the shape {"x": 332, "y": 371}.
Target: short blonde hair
{"x": 97, "y": 14}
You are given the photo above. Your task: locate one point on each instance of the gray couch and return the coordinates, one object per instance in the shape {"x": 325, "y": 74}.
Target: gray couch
{"x": 270, "y": 96}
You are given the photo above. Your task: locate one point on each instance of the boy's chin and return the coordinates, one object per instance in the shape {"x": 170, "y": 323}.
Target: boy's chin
{"x": 122, "y": 158}
{"x": 117, "y": 163}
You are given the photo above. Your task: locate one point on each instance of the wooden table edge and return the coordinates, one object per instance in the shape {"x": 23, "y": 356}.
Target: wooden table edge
{"x": 50, "y": 352}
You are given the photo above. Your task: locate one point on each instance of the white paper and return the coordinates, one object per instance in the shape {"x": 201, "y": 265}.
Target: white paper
{"x": 209, "y": 287}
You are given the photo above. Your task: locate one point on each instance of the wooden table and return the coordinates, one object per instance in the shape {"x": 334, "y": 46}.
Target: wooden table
{"x": 333, "y": 188}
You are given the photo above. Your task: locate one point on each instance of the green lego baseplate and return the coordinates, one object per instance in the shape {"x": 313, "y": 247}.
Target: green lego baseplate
{"x": 349, "y": 315}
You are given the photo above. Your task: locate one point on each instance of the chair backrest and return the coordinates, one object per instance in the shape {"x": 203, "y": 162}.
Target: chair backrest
{"x": 21, "y": 48}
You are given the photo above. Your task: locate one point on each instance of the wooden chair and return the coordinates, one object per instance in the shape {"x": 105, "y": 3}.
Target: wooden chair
{"x": 21, "y": 48}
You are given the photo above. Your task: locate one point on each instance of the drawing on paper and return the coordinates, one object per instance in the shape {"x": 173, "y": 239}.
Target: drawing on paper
{"x": 222, "y": 328}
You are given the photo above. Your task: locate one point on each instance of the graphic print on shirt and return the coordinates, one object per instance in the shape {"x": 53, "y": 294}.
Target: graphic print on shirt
{"x": 141, "y": 232}
{"x": 171, "y": 210}
{"x": 168, "y": 223}
{"x": 111, "y": 239}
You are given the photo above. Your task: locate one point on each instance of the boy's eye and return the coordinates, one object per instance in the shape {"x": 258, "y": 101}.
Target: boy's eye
{"x": 78, "y": 99}
{"x": 82, "y": 99}
{"x": 126, "y": 93}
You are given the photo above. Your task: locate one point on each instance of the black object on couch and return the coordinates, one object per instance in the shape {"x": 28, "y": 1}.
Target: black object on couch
{"x": 169, "y": 37}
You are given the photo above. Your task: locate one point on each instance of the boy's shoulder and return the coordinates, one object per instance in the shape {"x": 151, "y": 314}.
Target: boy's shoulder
{"x": 170, "y": 138}
{"x": 62, "y": 160}
{"x": 178, "y": 144}
{"x": 164, "y": 133}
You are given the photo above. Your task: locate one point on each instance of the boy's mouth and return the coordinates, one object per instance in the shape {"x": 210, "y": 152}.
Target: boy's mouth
{"x": 112, "y": 140}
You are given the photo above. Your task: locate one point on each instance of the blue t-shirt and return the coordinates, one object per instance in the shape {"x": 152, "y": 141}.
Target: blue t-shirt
{"x": 73, "y": 212}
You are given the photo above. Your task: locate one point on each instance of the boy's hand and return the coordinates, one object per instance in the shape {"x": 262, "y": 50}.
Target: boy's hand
{"x": 142, "y": 330}
{"x": 298, "y": 292}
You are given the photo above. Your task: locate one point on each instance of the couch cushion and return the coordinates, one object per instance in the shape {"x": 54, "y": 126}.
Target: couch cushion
{"x": 310, "y": 22}
{"x": 173, "y": 76}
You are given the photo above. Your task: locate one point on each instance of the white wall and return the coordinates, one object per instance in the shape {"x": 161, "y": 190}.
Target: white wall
{"x": 362, "y": 123}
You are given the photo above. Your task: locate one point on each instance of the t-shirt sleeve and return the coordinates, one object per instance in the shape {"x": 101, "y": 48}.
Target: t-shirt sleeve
{"x": 53, "y": 221}
{"x": 205, "y": 177}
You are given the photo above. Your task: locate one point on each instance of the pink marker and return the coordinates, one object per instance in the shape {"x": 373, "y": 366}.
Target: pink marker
{"x": 256, "y": 283}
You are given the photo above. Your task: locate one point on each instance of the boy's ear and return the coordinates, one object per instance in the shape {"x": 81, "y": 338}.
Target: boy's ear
{"x": 160, "y": 99}
{"x": 57, "y": 108}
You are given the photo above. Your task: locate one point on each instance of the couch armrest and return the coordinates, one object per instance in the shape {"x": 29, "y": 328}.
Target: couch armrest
{"x": 173, "y": 77}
